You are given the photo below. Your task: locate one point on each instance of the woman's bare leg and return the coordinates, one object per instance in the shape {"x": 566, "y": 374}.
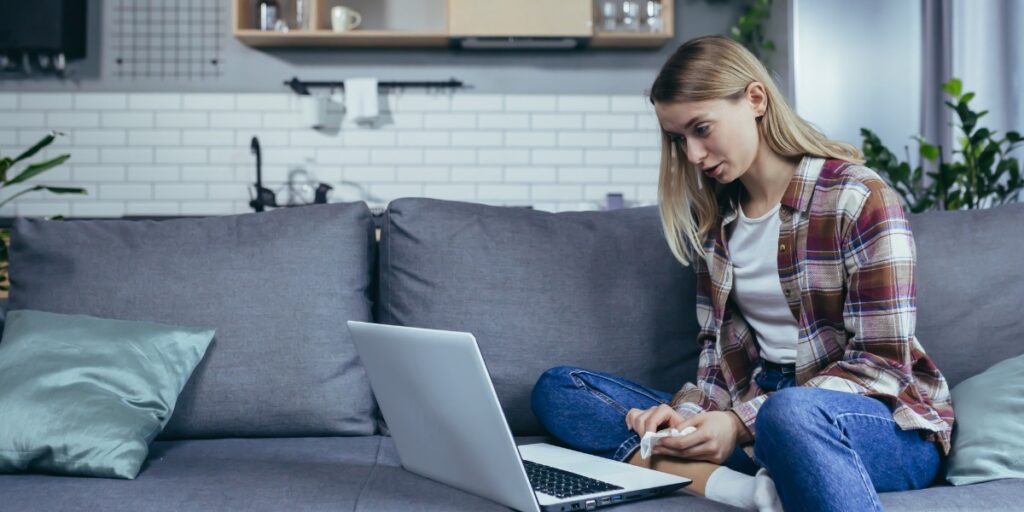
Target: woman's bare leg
{"x": 698, "y": 471}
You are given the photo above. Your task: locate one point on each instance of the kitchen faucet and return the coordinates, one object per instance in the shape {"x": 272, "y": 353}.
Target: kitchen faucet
{"x": 264, "y": 196}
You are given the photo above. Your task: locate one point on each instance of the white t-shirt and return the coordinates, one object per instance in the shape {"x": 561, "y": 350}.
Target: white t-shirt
{"x": 753, "y": 247}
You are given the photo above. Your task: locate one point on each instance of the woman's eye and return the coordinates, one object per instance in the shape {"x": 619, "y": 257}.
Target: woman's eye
{"x": 702, "y": 130}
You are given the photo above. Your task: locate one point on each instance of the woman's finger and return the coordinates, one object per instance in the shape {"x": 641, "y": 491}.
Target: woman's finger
{"x": 642, "y": 419}
{"x": 634, "y": 419}
{"x": 661, "y": 415}
{"x": 687, "y": 442}
{"x": 701, "y": 451}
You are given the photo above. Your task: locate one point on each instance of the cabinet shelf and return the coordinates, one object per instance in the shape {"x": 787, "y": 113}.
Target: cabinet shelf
{"x": 429, "y": 31}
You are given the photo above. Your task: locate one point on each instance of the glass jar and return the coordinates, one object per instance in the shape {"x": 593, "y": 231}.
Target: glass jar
{"x": 609, "y": 10}
{"x": 652, "y": 21}
{"x": 630, "y": 21}
{"x": 303, "y": 14}
{"x": 266, "y": 14}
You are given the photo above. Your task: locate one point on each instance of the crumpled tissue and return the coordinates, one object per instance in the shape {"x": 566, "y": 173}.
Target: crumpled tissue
{"x": 647, "y": 442}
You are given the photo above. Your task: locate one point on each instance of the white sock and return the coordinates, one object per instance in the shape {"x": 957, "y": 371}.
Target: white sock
{"x": 731, "y": 487}
{"x": 743, "y": 491}
{"x": 765, "y": 497}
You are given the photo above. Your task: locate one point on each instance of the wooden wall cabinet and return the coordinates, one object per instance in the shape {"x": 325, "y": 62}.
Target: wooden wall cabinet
{"x": 520, "y": 18}
{"x": 437, "y": 23}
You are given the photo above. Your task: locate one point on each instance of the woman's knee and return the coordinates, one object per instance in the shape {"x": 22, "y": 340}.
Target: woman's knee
{"x": 551, "y": 385}
{"x": 783, "y": 420}
{"x": 554, "y": 379}
{"x": 787, "y": 413}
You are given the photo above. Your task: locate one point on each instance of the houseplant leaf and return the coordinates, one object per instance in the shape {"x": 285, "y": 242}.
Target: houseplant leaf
{"x": 28, "y": 153}
{"x": 38, "y": 168}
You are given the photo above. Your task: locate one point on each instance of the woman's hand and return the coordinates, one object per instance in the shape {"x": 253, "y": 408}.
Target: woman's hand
{"x": 652, "y": 420}
{"x": 714, "y": 440}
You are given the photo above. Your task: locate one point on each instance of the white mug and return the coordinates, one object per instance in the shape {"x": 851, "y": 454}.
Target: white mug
{"x": 313, "y": 110}
{"x": 344, "y": 18}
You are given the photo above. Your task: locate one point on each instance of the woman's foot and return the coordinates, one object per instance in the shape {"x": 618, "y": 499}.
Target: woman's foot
{"x": 731, "y": 487}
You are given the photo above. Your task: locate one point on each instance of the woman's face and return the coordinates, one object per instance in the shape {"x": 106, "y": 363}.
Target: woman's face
{"x": 719, "y": 137}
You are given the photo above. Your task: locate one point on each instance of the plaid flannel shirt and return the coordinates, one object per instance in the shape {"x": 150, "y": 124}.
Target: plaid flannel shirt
{"x": 846, "y": 264}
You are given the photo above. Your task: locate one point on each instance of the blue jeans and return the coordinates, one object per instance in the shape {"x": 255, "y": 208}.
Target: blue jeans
{"x": 826, "y": 450}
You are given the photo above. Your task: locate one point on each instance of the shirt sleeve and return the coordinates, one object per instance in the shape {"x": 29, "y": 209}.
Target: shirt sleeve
{"x": 880, "y": 302}
{"x": 747, "y": 411}
{"x": 710, "y": 392}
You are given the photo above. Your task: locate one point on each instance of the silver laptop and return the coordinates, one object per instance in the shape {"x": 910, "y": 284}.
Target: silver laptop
{"x": 440, "y": 405}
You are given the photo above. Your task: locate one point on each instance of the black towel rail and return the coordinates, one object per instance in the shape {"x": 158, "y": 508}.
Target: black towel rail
{"x": 301, "y": 87}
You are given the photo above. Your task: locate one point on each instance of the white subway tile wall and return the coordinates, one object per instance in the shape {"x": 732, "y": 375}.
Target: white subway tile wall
{"x": 188, "y": 154}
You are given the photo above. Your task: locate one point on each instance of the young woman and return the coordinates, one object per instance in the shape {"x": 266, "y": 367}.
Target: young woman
{"x": 806, "y": 301}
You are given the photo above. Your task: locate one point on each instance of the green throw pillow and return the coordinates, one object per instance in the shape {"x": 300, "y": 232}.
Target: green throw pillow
{"x": 81, "y": 395}
{"x": 988, "y": 443}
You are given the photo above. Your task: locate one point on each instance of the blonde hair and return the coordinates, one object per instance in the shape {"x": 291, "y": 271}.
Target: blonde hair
{"x": 715, "y": 67}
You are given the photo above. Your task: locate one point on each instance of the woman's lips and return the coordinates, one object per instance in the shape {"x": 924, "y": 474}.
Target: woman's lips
{"x": 714, "y": 171}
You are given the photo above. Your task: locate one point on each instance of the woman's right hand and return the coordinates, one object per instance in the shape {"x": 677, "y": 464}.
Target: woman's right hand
{"x": 653, "y": 419}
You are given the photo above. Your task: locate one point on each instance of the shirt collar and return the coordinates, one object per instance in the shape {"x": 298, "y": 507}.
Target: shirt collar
{"x": 798, "y": 192}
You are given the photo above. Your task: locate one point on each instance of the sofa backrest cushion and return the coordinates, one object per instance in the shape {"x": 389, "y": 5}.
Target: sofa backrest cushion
{"x": 970, "y": 287}
{"x": 277, "y": 287}
{"x": 598, "y": 290}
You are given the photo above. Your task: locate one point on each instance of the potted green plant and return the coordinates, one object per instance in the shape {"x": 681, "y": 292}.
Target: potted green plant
{"x": 982, "y": 175}
{"x": 7, "y": 179}
{"x": 750, "y": 32}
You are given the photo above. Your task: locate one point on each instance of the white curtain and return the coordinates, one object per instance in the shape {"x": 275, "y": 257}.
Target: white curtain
{"x": 880, "y": 64}
{"x": 857, "y": 64}
{"x": 988, "y": 55}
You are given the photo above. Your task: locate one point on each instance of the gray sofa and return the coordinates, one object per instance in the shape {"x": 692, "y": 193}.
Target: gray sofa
{"x": 279, "y": 414}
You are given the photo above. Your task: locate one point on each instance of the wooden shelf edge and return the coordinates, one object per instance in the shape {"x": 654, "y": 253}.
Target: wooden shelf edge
{"x": 384, "y": 38}
{"x": 366, "y": 38}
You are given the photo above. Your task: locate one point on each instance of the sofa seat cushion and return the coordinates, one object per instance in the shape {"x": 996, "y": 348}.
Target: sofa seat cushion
{"x": 277, "y": 287}
{"x": 348, "y": 473}
{"x": 307, "y": 474}
{"x": 393, "y": 488}
{"x": 598, "y": 290}
{"x": 995, "y": 496}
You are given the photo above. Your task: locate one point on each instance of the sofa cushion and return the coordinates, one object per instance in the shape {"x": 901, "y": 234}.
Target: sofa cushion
{"x": 277, "y": 287}
{"x": 393, "y": 488}
{"x": 998, "y": 495}
{"x": 592, "y": 289}
{"x": 254, "y": 475}
{"x": 82, "y": 395}
{"x": 989, "y": 440}
{"x": 308, "y": 474}
{"x": 970, "y": 287}
{"x": 349, "y": 473}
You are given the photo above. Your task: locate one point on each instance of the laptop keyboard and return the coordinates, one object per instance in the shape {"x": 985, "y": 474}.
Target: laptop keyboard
{"x": 563, "y": 484}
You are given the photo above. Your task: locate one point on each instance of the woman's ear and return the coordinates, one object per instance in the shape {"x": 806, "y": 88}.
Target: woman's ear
{"x": 757, "y": 98}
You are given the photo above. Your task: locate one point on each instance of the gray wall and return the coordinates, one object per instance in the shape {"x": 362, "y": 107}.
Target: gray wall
{"x": 245, "y": 69}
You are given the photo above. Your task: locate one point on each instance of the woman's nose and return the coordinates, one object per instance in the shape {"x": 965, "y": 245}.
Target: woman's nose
{"x": 694, "y": 152}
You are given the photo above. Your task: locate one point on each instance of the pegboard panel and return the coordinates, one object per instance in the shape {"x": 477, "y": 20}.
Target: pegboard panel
{"x": 168, "y": 39}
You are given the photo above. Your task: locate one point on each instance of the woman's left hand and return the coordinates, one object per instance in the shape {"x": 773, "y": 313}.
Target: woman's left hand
{"x": 714, "y": 440}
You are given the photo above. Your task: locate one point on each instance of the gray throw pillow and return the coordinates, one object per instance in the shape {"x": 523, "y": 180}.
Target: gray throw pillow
{"x": 988, "y": 442}
{"x": 598, "y": 290}
{"x": 85, "y": 396}
{"x": 277, "y": 286}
